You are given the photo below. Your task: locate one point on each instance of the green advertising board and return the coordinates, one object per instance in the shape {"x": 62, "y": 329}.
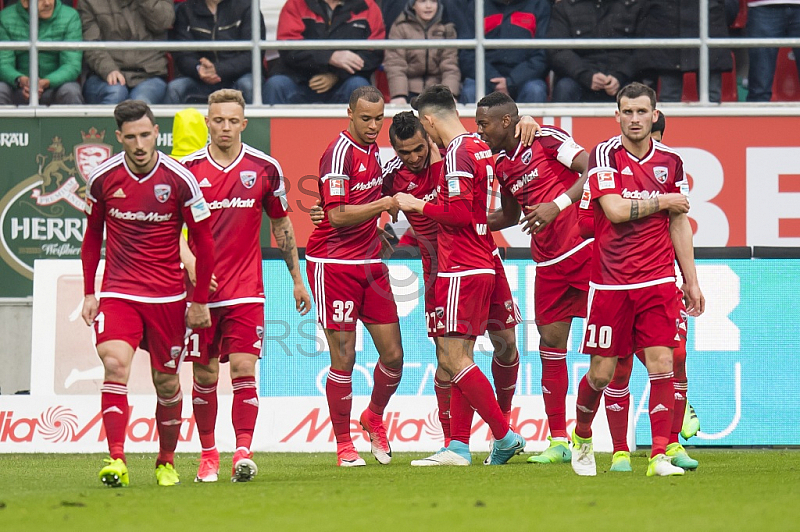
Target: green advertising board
{"x": 45, "y": 166}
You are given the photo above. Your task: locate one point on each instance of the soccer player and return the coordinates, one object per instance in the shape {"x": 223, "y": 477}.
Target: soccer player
{"x": 466, "y": 277}
{"x": 239, "y": 182}
{"x": 348, "y": 280}
{"x": 546, "y": 175}
{"x": 143, "y": 197}
{"x": 639, "y": 188}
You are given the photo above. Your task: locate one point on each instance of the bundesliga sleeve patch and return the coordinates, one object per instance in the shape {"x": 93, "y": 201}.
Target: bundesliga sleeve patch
{"x": 683, "y": 185}
{"x": 586, "y": 198}
{"x": 200, "y": 210}
{"x": 336, "y": 187}
{"x": 453, "y": 186}
{"x": 605, "y": 180}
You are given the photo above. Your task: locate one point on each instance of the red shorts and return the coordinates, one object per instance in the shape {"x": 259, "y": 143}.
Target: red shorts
{"x": 503, "y": 312}
{"x": 561, "y": 289}
{"x": 462, "y": 304}
{"x": 234, "y": 329}
{"x": 623, "y": 321}
{"x": 345, "y": 293}
{"x": 158, "y": 328}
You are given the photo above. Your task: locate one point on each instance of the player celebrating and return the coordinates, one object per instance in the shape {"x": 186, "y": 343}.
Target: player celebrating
{"x": 348, "y": 279}
{"x": 142, "y": 197}
{"x": 547, "y": 174}
{"x": 632, "y": 304}
{"x": 239, "y": 182}
{"x": 465, "y": 279}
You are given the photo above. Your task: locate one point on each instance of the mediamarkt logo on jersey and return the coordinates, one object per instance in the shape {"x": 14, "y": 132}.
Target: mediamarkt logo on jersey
{"x": 42, "y": 216}
{"x": 232, "y": 203}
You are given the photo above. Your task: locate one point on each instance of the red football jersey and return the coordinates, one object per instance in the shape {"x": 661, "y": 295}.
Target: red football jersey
{"x": 144, "y": 215}
{"x": 469, "y": 174}
{"x": 539, "y": 174}
{"x": 398, "y": 178}
{"x": 639, "y": 252}
{"x": 236, "y": 195}
{"x": 350, "y": 174}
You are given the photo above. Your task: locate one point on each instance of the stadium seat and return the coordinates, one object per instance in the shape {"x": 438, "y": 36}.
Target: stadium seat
{"x": 785, "y": 86}
{"x": 382, "y": 83}
{"x": 729, "y": 87}
{"x": 741, "y": 19}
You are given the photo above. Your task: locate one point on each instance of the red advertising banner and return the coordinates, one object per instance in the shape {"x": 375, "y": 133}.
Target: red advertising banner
{"x": 744, "y": 171}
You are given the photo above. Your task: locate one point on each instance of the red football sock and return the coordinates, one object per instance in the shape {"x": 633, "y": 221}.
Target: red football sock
{"x": 476, "y": 389}
{"x": 662, "y": 403}
{"x": 618, "y": 403}
{"x": 204, "y": 404}
{"x": 114, "y": 406}
{"x": 339, "y": 390}
{"x": 505, "y": 382}
{"x": 386, "y": 381}
{"x": 681, "y": 386}
{"x": 442, "y": 389}
{"x": 168, "y": 420}
{"x": 461, "y": 413}
{"x": 586, "y": 407}
{"x": 555, "y": 382}
{"x": 244, "y": 410}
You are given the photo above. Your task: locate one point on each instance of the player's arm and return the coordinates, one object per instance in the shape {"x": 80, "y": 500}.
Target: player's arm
{"x": 90, "y": 257}
{"x": 197, "y": 217}
{"x": 344, "y": 215}
{"x": 544, "y": 213}
{"x": 619, "y": 210}
{"x": 507, "y": 215}
{"x": 189, "y": 262}
{"x": 283, "y": 231}
{"x": 680, "y": 231}
{"x": 455, "y": 213}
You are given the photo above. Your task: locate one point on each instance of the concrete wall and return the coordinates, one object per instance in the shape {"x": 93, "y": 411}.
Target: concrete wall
{"x": 15, "y": 345}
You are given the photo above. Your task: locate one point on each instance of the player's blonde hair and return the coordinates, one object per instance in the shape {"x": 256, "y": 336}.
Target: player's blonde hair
{"x": 225, "y": 96}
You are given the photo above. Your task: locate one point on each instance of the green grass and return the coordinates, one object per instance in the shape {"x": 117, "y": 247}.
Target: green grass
{"x": 732, "y": 490}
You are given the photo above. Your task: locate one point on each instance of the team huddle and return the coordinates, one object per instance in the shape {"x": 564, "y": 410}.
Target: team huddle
{"x": 606, "y": 231}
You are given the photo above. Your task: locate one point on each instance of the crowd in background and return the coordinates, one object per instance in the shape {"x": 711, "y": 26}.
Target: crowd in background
{"x": 529, "y": 75}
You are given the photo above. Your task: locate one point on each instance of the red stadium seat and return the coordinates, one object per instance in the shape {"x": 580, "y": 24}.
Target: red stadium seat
{"x": 785, "y": 86}
{"x": 382, "y": 83}
{"x": 730, "y": 92}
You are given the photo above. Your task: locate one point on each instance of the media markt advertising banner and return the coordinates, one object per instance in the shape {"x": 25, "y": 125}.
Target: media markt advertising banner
{"x": 46, "y": 163}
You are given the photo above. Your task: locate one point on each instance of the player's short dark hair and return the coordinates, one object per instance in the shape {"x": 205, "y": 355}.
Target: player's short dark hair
{"x": 366, "y": 92}
{"x": 435, "y": 98}
{"x": 660, "y": 124}
{"x": 634, "y": 90}
{"x": 131, "y": 111}
{"x": 498, "y": 99}
{"x": 404, "y": 126}
{"x": 226, "y": 96}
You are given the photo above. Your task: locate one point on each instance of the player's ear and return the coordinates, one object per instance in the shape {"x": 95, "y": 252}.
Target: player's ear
{"x": 656, "y": 112}
{"x": 349, "y": 113}
{"x": 616, "y": 115}
{"x": 119, "y": 136}
{"x": 244, "y": 124}
{"x": 155, "y": 129}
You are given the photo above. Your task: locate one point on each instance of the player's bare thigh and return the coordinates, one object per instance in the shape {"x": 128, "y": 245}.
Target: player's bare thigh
{"x": 342, "y": 346}
{"x": 117, "y": 357}
{"x": 386, "y": 337}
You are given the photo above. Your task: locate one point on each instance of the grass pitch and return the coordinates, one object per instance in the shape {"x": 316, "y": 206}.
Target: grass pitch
{"x": 732, "y": 490}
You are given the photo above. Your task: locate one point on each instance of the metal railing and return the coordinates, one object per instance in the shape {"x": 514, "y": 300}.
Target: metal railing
{"x": 480, "y": 44}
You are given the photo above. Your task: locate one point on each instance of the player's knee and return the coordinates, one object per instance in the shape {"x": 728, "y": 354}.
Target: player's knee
{"x": 392, "y": 357}
{"x": 205, "y": 375}
{"x": 166, "y": 385}
{"x": 507, "y": 354}
{"x": 116, "y": 368}
{"x": 243, "y": 365}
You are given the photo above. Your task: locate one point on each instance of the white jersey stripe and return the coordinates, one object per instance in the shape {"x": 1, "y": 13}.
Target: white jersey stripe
{"x": 633, "y": 286}
{"x": 184, "y": 173}
{"x": 237, "y": 301}
{"x": 565, "y": 255}
{"x": 142, "y": 299}
{"x": 107, "y": 165}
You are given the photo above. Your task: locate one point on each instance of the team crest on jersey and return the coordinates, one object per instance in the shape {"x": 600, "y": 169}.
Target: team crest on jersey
{"x": 661, "y": 173}
{"x": 527, "y": 156}
{"x": 605, "y": 180}
{"x": 440, "y": 312}
{"x": 162, "y": 192}
{"x": 248, "y": 178}
{"x": 175, "y": 352}
{"x": 509, "y": 305}
{"x": 259, "y": 331}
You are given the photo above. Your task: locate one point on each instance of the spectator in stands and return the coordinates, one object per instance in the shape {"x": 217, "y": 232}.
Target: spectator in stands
{"x": 117, "y": 75}
{"x": 206, "y": 72}
{"x": 324, "y": 76}
{"x": 58, "y": 71}
{"x": 667, "y": 19}
{"x": 392, "y": 9}
{"x": 411, "y": 71}
{"x": 594, "y": 74}
{"x": 520, "y": 73}
{"x": 769, "y": 18}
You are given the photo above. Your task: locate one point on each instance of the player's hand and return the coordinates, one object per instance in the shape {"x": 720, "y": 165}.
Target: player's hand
{"x": 408, "y": 203}
{"x": 538, "y": 216}
{"x": 612, "y": 85}
{"x": 526, "y": 130}
{"x": 695, "y": 301}
{"x": 301, "y": 299}
{"x": 386, "y": 247}
{"x": 322, "y": 83}
{"x": 392, "y": 207}
{"x": 675, "y": 203}
{"x": 599, "y": 81}
{"x": 347, "y": 60}
{"x": 434, "y": 154}
{"x": 115, "y": 77}
{"x": 500, "y": 85}
{"x": 191, "y": 271}
{"x": 317, "y": 214}
{"x": 198, "y": 316}
{"x": 89, "y": 311}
